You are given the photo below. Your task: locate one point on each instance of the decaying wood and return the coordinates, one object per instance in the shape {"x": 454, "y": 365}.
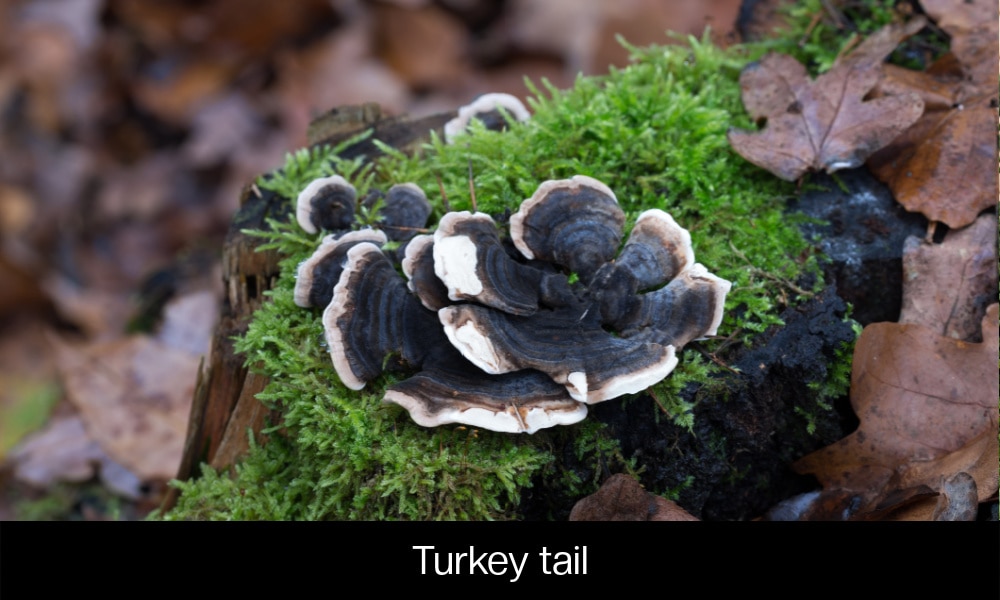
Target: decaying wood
{"x": 225, "y": 408}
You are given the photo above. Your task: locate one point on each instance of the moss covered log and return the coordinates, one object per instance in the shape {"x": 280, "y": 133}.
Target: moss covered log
{"x": 655, "y": 132}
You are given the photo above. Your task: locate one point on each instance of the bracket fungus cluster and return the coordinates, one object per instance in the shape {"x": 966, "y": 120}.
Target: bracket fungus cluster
{"x": 513, "y": 333}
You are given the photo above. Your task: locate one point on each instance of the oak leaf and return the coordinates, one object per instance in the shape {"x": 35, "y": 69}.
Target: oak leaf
{"x": 945, "y": 166}
{"x": 923, "y": 401}
{"x": 948, "y": 286}
{"x": 622, "y": 498}
{"x": 825, "y": 123}
{"x": 134, "y": 396}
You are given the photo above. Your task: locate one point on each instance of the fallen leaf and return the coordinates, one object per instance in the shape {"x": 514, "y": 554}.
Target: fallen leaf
{"x": 424, "y": 46}
{"x": 947, "y": 286}
{"x": 63, "y": 452}
{"x": 958, "y": 499}
{"x": 972, "y": 25}
{"x": 920, "y": 397}
{"x": 976, "y": 460}
{"x": 825, "y": 123}
{"x": 621, "y": 498}
{"x": 134, "y": 396}
{"x": 945, "y": 165}
{"x": 188, "y": 322}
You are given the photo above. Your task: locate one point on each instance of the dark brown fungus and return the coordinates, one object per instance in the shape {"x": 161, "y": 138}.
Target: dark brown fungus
{"x": 418, "y": 266}
{"x": 656, "y": 251}
{"x": 486, "y": 108}
{"x": 326, "y": 203}
{"x": 373, "y": 322}
{"x": 525, "y": 401}
{"x": 523, "y": 349}
{"x": 469, "y": 258}
{"x": 575, "y": 223}
{"x": 405, "y": 210}
{"x": 317, "y": 275}
{"x": 688, "y": 308}
{"x": 569, "y": 347}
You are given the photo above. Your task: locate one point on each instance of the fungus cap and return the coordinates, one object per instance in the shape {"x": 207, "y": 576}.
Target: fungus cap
{"x": 491, "y": 332}
{"x": 486, "y": 108}
{"x": 575, "y": 223}
{"x": 316, "y": 277}
{"x": 326, "y": 203}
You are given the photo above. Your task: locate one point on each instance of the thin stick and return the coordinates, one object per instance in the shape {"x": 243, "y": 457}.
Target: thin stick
{"x": 716, "y": 360}
{"x": 444, "y": 197}
{"x": 836, "y": 15}
{"x": 658, "y": 403}
{"x": 809, "y": 28}
{"x": 407, "y": 228}
{"x": 771, "y": 277}
{"x": 851, "y": 43}
{"x": 931, "y": 230}
{"x": 472, "y": 188}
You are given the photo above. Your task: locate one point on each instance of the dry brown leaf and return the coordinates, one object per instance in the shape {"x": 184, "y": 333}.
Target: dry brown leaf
{"x": 425, "y": 46}
{"x": 134, "y": 396}
{"x": 824, "y": 123}
{"x": 920, "y": 397}
{"x": 188, "y": 322}
{"x": 947, "y": 286}
{"x": 945, "y": 166}
{"x": 621, "y": 498}
{"x": 976, "y": 461}
{"x": 61, "y": 451}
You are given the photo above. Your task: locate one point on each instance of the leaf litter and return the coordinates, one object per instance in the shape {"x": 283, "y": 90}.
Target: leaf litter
{"x": 927, "y": 405}
{"x": 924, "y": 390}
{"x": 827, "y": 123}
{"x": 945, "y": 166}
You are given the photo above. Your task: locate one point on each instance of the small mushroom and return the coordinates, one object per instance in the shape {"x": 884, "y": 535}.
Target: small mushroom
{"x": 405, "y": 210}
{"x": 486, "y": 108}
{"x": 317, "y": 275}
{"x": 575, "y": 223}
{"x": 570, "y": 348}
{"x": 525, "y": 401}
{"x": 471, "y": 261}
{"x": 418, "y": 266}
{"x": 326, "y": 203}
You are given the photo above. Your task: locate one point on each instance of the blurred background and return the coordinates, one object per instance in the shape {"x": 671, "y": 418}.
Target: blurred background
{"x": 128, "y": 128}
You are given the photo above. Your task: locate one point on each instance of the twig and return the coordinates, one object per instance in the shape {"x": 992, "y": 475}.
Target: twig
{"x": 444, "y": 197}
{"x": 835, "y": 14}
{"x": 809, "y": 29}
{"x": 851, "y": 43}
{"x": 770, "y": 277}
{"x": 931, "y": 230}
{"x": 658, "y": 403}
{"x": 472, "y": 187}
{"x": 712, "y": 357}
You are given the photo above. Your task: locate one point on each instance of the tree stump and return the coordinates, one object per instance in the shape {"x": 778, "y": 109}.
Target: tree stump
{"x": 224, "y": 409}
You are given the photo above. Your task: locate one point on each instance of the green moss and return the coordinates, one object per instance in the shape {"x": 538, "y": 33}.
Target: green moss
{"x": 655, "y": 133}
{"x": 836, "y": 385}
{"x": 819, "y": 32}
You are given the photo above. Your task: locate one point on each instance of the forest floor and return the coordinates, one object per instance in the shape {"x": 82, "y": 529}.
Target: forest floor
{"x": 128, "y": 130}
